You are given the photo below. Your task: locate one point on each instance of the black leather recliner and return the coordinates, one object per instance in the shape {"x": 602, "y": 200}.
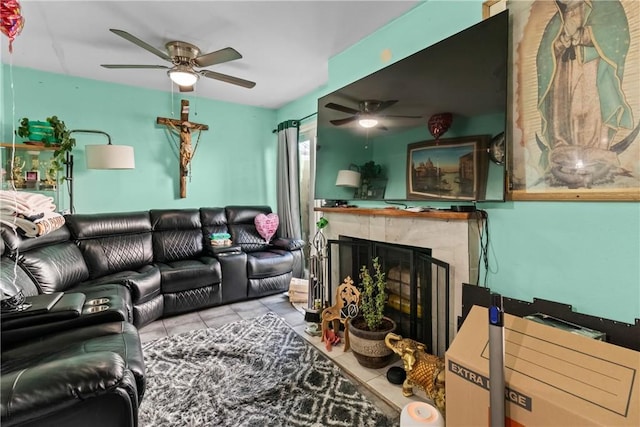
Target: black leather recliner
{"x": 190, "y": 279}
{"x": 118, "y": 248}
{"x": 53, "y": 263}
{"x": 269, "y": 267}
{"x": 89, "y": 376}
{"x": 68, "y": 368}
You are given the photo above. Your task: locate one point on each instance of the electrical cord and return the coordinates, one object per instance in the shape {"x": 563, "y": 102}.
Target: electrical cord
{"x": 482, "y": 218}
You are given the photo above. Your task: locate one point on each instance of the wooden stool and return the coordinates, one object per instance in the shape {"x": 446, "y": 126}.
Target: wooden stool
{"x": 345, "y": 308}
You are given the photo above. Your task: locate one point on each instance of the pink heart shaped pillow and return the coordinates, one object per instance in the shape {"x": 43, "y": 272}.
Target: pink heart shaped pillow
{"x": 267, "y": 225}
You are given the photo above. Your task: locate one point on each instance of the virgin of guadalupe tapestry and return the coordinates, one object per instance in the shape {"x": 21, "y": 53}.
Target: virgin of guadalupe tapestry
{"x": 576, "y": 93}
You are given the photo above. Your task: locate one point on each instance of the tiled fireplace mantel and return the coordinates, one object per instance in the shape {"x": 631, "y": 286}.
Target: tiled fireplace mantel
{"x": 401, "y": 213}
{"x": 453, "y": 237}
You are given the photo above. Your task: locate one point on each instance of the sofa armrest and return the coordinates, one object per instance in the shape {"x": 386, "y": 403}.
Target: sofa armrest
{"x": 288, "y": 244}
{"x": 72, "y": 311}
{"x": 69, "y": 306}
{"x": 38, "y": 393}
{"x": 219, "y": 250}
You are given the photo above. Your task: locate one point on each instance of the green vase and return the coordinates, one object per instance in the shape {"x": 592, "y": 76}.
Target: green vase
{"x": 41, "y": 131}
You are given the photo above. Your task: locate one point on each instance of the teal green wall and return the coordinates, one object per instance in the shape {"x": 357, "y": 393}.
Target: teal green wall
{"x": 583, "y": 254}
{"x": 332, "y": 158}
{"x": 234, "y": 162}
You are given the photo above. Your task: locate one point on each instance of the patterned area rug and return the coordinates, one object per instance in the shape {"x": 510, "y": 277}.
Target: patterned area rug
{"x": 255, "y": 372}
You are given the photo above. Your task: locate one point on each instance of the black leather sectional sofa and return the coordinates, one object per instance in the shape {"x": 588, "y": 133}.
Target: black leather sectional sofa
{"x": 81, "y": 362}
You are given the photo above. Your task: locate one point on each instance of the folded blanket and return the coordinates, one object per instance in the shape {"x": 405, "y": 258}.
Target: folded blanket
{"x": 51, "y": 221}
{"x": 25, "y": 204}
{"x": 27, "y": 228}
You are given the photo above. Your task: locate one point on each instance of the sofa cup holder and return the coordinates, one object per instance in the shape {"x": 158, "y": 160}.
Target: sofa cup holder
{"x": 97, "y": 301}
{"x": 97, "y": 308}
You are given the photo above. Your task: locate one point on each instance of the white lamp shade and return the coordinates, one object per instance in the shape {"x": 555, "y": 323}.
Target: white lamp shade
{"x": 348, "y": 178}
{"x": 109, "y": 156}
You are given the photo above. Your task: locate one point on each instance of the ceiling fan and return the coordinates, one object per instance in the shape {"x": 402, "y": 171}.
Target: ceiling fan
{"x": 185, "y": 57}
{"x": 367, "y": 114}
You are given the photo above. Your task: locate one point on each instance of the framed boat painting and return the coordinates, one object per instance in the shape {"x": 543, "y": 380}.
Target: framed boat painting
{"x": 448, "y": 169}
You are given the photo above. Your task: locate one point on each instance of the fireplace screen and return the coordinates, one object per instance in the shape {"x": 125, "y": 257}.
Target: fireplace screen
{"x": 417, "y": 286}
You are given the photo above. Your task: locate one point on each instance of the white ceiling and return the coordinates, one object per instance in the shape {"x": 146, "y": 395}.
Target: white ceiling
{"x": 285, "y": 44}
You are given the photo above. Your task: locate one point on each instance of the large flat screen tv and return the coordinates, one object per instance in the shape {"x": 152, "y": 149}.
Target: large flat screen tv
{"x": 465, "y": 75}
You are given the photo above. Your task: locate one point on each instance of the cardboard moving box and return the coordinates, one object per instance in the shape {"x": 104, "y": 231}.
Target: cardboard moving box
{"x": 553, "y": 377}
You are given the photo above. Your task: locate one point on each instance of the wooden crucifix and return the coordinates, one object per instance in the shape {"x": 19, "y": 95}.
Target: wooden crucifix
{"x": 186, "y": 150}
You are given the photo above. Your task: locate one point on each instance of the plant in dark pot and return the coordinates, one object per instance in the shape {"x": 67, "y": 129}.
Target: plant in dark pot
{"x": 368, "y": 330}
{"x": 369, "y": 172}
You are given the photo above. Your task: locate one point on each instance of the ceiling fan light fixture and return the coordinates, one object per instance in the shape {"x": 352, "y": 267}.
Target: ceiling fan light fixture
{"x": 367, "y": 122}
{"x": 183, "y": 75}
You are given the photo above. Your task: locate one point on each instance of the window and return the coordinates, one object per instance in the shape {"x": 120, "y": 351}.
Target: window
{"x": 306, "y": 159}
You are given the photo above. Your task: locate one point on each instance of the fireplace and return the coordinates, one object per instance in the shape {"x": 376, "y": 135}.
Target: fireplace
{"x": 453, "y": 237}
{"x": 419, "y": 300}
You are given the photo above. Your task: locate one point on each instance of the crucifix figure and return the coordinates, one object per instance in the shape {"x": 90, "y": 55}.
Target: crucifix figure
{"x": 186, "y": 149}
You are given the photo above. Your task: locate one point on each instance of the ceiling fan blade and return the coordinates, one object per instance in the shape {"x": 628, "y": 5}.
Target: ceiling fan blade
{"x": 228, "y": 79}
{"x": 132, "y": 66}
{"x": 381, "y": 127}
{"x": 186, "y": 88}
{"x": 133, "y": 39}
{"x": 403, "y": 117}
{"x": 385, "y": 105}
{"x": 340, "y": 122}
{"x": 218, "y": 57}
{"x": 342, "y": 108}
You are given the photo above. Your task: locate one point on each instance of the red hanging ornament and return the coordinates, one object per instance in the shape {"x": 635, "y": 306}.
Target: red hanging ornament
{"x": 439, "y": 124}
{"x": 12, "y": 20}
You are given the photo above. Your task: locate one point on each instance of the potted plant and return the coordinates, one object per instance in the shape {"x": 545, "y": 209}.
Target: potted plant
{"x": 368, "y": 330}
{"x": 52, "y": 133}
{"x": 369, "y": 172}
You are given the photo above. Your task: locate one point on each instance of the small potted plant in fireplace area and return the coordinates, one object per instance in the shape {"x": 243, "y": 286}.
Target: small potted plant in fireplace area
{"x": 369, "y": 328}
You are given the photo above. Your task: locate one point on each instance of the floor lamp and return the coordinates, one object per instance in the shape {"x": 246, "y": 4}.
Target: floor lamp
{"x": 105, "y": 156}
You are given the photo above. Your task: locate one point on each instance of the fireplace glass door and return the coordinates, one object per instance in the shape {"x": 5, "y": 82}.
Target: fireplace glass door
{"x": 418, "y": 298}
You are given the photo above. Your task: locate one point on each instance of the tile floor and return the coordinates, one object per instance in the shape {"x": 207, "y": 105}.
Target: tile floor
{"x": 372, "y": 382}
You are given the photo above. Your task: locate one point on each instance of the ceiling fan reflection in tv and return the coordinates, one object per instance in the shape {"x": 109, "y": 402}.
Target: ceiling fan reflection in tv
{"x": 367, "y": 114}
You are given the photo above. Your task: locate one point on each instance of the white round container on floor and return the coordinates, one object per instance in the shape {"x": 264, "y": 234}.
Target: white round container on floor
{"x": 420, "y": 414}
